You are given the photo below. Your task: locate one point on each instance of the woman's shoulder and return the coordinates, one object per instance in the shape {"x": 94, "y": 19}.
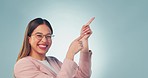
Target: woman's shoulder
{"x": 25, "y": 61}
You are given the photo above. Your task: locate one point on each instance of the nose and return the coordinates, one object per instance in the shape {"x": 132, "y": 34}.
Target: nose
{"x": 44, "y": 39}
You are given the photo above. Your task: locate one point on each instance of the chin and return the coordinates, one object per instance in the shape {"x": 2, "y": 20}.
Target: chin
{"x": 42, "y": 52}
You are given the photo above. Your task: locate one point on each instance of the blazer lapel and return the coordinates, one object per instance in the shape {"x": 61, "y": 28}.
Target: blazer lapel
{"x": 44, "y": 68}
{"x": 54, "y": 64}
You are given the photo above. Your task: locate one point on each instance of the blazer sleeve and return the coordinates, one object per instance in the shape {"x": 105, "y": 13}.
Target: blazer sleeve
{"x": 84, "y": 69}
{"x": 69, "y": 69}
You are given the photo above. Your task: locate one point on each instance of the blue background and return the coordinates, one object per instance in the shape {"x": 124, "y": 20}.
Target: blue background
{"x": 119, "y": 41}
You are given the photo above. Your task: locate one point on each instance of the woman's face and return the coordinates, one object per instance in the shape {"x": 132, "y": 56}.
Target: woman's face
{"x": 40, "y": 40}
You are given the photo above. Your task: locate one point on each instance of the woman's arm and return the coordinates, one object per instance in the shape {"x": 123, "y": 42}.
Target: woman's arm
{"x": 84, "y": 70}
{"x": 74, "y": 48}
{"x": 81, "y": 43}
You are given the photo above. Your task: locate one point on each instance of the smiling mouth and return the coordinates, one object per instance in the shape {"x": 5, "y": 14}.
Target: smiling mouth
{"x": 43, "y": 47}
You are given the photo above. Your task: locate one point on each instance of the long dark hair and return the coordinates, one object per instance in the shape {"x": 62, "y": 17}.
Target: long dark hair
{"x": 33, "y": 24}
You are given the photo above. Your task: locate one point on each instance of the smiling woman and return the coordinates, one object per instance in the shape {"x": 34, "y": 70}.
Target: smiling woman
{"x": 32, "y": 61}
{"x": 36, "y": 26}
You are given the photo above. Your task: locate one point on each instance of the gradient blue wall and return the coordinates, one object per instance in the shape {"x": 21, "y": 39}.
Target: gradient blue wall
{"x": 119, "y": 41}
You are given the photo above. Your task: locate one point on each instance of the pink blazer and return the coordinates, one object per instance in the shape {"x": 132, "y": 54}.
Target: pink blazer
{"x": 29, "y": 67}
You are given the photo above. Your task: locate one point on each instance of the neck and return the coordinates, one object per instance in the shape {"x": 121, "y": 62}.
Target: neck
{"x": 37, "y": 56}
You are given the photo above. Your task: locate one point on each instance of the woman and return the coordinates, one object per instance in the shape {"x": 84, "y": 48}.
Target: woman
{"x": 32, "y": 61}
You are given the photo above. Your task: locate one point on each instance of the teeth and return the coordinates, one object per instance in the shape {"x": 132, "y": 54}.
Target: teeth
{"x": 42, "y": 46}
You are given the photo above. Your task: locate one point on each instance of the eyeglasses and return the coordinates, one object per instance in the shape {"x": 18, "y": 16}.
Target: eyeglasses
{"x": 40, "y": 36}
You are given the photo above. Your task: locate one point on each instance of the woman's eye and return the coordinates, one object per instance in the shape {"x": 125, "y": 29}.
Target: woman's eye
{"x": 48, "y": 36}
{"x": 38, "y": 35}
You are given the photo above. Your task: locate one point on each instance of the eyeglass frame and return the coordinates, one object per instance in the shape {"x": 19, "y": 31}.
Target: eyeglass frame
{"x": 42, "y": 36}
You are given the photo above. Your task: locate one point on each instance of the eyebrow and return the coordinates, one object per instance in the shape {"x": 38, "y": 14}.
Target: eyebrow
{"x": 42, "y": 33}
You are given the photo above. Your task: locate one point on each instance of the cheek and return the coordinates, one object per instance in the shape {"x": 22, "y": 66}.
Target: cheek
{"x": 50, "y": 43}
{"x": 33, "y": 41}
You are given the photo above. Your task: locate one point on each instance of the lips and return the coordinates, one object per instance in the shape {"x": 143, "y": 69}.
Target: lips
{"x": 43, "y": 46}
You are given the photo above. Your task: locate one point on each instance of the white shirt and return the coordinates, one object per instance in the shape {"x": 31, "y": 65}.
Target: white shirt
{"x": 45, "y": 62}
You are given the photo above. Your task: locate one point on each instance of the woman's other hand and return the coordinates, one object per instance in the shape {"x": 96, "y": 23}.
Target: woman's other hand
{"x": 85, "y": 32}
{"x": 74, "y": 48}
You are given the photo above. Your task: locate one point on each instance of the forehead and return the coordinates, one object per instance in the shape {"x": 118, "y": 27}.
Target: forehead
{"x": 42, "y": 29}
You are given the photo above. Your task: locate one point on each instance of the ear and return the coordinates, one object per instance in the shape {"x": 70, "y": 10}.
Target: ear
{"x": 29, "y": 39}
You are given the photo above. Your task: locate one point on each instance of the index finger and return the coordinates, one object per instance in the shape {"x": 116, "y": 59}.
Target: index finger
{"x": 90, "y": 21}
{"x": 80, "y": 37}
